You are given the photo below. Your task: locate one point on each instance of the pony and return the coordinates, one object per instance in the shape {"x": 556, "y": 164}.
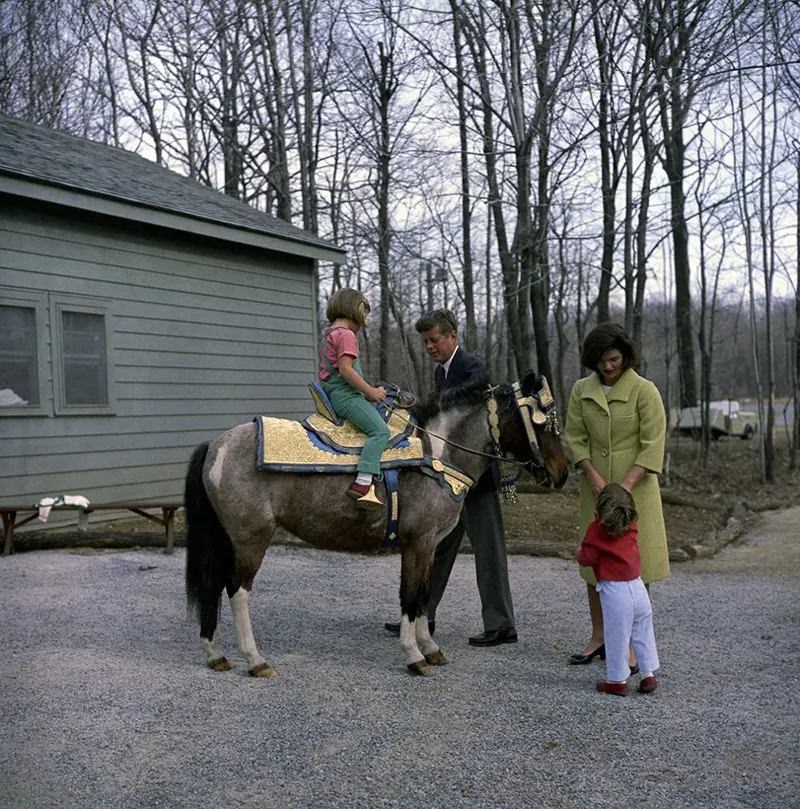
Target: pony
{"x": 232, "y": 509}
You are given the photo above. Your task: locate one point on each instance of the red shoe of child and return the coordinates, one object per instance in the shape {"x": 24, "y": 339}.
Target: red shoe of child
{"x": 365, "y": 496}
{"x": 648, "y": 685}
{"x": 618, "y": 689}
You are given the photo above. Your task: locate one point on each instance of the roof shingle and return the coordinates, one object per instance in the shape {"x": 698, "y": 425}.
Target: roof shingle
{"x": 57, "y": 158}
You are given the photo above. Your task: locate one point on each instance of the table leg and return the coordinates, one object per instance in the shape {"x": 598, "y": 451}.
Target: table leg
{"x": 168, "y": 515}
{"x": 9, "y": 519}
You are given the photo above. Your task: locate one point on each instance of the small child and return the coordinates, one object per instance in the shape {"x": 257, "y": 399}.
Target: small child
{"x": 610, "y": 548}
{"x": 343, "y": 381}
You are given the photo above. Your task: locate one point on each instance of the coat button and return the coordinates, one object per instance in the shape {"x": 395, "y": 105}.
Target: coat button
{"x": 604, "y": 452}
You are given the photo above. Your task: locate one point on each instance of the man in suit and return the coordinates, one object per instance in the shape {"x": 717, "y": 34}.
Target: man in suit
{"x": 481, "y": 516}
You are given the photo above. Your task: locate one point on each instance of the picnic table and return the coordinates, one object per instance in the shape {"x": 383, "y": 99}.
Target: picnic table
{"x": 168, "y": 510}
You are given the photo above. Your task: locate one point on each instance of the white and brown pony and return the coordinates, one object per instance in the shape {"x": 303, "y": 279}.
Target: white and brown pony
{"x": 233, "y": 509}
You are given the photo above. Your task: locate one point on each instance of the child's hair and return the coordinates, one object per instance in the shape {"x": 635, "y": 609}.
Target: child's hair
{"x": 615, "y": 509}
{"x": 349, "y": 303}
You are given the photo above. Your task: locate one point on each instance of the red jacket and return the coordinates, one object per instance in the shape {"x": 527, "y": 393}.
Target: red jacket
{"x": 611, "y": 558}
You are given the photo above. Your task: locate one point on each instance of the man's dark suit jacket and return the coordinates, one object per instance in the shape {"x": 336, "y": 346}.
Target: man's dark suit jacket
{"x": 466, "y": 368}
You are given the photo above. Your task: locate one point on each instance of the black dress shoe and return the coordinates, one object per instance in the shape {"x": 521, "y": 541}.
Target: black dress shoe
{"x": 582, "y": 660}
{"x": 395, "y": 628}
{"x": 494, "y": 637}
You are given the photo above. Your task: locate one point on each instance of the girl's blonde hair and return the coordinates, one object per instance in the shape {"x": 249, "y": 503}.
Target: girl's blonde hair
{"x": 349, "y": 303}
{"x": 615, "y": 509}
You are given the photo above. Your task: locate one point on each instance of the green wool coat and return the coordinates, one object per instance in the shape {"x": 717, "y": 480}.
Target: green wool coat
{"x": 615, "y": 431}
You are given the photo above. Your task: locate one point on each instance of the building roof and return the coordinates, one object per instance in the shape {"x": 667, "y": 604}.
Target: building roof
{"x": 58, "y": 167}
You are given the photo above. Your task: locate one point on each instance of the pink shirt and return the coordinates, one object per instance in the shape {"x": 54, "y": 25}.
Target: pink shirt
{"x": 338, "y": 341}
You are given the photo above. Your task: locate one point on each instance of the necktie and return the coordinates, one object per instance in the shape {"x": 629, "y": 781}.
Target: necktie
{"x": 439, "y": 377}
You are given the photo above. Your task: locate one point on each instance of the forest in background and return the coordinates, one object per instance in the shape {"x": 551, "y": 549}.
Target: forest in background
{"x": 536, "y": 166}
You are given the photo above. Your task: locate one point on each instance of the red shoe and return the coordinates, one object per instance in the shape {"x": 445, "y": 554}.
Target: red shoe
{"x": 648, "y": 685}
{"x": 618, "y": 689}
{"x": 365, "y": 496}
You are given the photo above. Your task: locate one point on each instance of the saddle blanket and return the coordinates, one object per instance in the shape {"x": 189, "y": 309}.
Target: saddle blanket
{"x": 292, "y": 446}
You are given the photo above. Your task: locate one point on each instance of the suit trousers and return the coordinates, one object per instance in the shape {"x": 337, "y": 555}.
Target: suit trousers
{"x": 482, "y": 519}
{"x": 627, "y": 621}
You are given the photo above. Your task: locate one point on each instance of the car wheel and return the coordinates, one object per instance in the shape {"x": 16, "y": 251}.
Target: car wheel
{"x": 747, "y": 433}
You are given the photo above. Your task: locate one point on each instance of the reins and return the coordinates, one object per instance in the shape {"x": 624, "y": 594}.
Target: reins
{"x": 456, "y": 444}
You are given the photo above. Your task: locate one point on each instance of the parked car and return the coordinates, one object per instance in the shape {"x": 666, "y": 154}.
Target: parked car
{"x": 725, "y": 418}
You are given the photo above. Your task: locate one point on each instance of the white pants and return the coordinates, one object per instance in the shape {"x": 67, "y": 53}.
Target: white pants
{"x": 627, "y": 621}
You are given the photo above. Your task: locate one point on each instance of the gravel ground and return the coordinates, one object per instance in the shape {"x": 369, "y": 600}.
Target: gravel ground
{"x": 106, "y": 702}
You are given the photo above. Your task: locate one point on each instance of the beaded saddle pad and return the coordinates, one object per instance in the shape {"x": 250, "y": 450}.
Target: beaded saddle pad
{"x": 320, "y": 446}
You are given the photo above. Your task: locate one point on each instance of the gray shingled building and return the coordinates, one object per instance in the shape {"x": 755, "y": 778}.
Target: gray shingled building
{"x": 140, "y": 313}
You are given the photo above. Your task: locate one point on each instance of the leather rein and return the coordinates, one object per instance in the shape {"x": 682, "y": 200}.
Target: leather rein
{"x": 538, "y": 409}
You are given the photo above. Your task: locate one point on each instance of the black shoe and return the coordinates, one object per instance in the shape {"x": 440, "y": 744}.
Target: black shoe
{"x": 395, "y": 628}
{"x": 582, "y": 660}
{"x": 494, "y": 637}
{"x": 634, "y": 669}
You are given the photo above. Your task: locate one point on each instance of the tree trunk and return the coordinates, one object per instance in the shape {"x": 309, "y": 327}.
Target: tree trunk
{"x": 470, "y": 327}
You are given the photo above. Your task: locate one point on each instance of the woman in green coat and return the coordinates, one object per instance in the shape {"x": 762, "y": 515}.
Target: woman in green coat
{"x": 615, "y": 433}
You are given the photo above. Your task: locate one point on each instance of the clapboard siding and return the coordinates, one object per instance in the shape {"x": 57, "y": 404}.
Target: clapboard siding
{"x": 239, "y": 286}
{"x": 205, "y": 336}
{"x": 84, "y": 428}
{"x": 99, "y": 244}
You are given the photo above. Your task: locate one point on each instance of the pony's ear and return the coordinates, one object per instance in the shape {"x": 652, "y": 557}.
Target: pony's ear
{"x": 529, "y": 383}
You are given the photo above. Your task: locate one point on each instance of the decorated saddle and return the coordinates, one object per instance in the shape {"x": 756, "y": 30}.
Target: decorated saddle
{"x": 324, "y": 443}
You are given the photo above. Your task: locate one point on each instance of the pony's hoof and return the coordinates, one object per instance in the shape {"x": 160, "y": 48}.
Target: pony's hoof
{"x": 436, "y": 658}
{"x": 262, "y": 670}
{"x": 420, "y": 668}
{"x": 220, "y": 664}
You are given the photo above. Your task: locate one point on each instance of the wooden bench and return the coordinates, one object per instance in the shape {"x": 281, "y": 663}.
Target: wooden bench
{"x": 166, "y": 519}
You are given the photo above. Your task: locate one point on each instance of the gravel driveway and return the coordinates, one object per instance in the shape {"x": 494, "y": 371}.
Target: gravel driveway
{"x": 106, "y": 702}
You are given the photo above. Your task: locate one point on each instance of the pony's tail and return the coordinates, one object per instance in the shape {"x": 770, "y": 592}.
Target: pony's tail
{"x": 209, "y": 553}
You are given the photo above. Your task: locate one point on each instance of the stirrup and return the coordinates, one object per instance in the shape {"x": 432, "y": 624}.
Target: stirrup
{"x": 370, "y": 500}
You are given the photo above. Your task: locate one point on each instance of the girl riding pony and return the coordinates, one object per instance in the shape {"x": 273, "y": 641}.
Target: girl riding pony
{"x": 351, "y": 396}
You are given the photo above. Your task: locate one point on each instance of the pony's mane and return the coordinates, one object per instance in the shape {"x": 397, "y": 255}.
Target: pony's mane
{"x": 469, "y": 395}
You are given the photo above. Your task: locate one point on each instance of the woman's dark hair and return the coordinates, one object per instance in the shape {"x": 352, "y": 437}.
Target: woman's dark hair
{"x": 615, "y": 509}
{"x": 603, "y": 338}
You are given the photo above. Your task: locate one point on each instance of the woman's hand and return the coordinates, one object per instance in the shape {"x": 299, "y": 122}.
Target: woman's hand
{"x": 596, "y": 482}
{"x": 376, "y": 394}
{"x": 635, "y": 474}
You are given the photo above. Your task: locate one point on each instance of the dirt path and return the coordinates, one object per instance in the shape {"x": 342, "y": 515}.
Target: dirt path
{"x": 771, "y": 546}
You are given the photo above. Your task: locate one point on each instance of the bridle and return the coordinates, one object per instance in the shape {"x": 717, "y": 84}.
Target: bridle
{"x": 534, "y": 409}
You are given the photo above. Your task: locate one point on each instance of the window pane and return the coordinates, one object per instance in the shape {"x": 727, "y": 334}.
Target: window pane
{"x": 84, "y": 344}
{"x": 19, "y": 377}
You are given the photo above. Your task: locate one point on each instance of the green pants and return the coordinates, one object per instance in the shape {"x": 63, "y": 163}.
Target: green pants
{"x": 350, "y": 404}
